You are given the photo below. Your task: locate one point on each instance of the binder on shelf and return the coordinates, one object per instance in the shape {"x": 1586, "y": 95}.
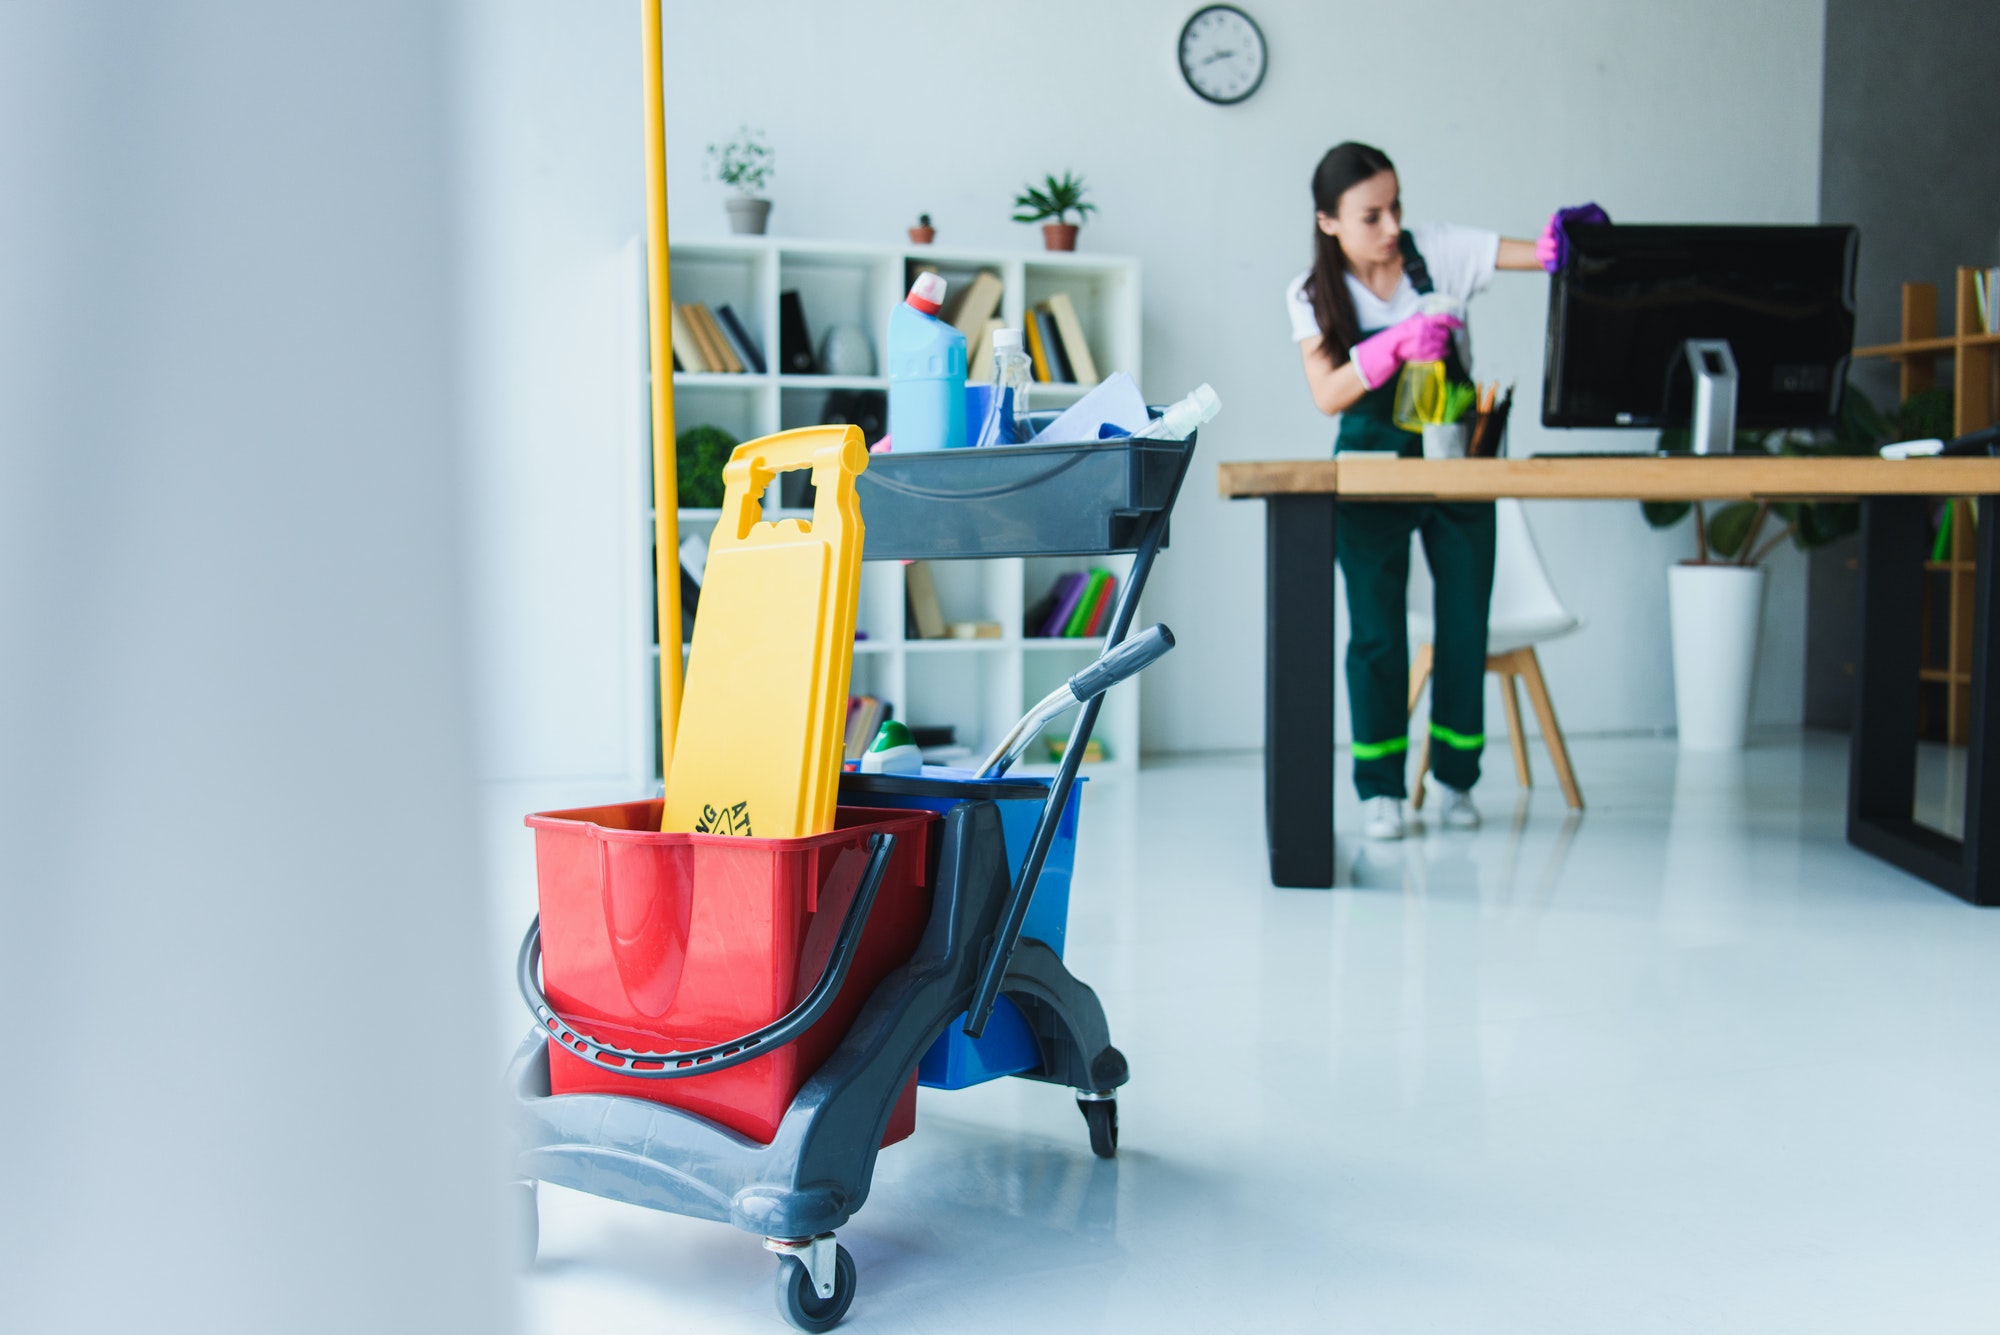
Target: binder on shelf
{"x": 795, "y": 345}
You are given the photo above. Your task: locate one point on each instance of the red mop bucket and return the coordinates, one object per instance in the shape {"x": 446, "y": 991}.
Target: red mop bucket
{"x": 667, "y": 943}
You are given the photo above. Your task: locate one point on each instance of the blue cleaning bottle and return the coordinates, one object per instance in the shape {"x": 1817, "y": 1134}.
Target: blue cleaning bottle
{"x": 926, "y": 373}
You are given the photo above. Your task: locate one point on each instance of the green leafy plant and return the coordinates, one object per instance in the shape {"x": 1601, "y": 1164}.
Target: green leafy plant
{"x": 1054, "y": 200}
{"x": 1730, "y": 534}
{"x": 1926, "y": 414}
{"x": 699, "y": 454}
{"x": 744, "y": 163}
{"x": 1458, "y": 400}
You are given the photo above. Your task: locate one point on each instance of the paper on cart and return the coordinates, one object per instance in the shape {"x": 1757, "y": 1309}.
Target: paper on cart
{"x": 1116, "y": 400}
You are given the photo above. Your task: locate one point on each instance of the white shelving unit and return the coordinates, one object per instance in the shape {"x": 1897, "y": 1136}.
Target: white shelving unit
{"x": 978, "y": 687}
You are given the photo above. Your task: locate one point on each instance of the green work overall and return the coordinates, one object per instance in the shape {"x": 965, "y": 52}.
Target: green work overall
{"x": 1372, "y": 543}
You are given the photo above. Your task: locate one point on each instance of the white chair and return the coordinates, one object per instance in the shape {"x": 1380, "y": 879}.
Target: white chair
{"x": 1525, "y": 612}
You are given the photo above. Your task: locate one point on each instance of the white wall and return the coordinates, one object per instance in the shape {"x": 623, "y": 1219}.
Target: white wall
{"x": 235, "y": 766}
{"x": 1708, "y": 111}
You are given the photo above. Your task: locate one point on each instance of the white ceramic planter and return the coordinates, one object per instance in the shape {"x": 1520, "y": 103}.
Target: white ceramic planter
{"x": 1717, "y": 612}
{"x": 747, "y": 216}
{"x": 1446, "y": 440}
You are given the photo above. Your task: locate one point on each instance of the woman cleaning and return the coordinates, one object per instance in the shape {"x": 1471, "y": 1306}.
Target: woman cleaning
{"x": 1357, "y": 319}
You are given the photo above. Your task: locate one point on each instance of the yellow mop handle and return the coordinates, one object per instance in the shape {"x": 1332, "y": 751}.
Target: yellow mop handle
{"x": 666, "y": 489}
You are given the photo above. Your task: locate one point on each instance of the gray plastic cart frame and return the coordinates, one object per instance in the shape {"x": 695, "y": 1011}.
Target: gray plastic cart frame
{"x": 1079, "y": 500}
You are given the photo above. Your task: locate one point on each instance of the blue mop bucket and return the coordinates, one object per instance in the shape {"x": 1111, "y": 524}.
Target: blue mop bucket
{"x": 1008, "y": 1046}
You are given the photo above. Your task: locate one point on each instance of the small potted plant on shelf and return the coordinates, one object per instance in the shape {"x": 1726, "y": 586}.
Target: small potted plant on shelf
{"x": 923, "y": 233}
{"x": 1716, "y": 598}
{"x": 744, "y": 164}
{"x": 1054, "y": 199}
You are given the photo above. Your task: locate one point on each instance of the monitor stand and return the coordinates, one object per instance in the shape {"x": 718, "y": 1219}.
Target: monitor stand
{"x": 1714, "y": 368}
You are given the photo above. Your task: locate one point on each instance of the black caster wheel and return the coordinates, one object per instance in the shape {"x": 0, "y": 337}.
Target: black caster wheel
{"x": 1102, "y": 1117}
{"x": 800, "y": 1302}
{"x": 527, "y": 1223}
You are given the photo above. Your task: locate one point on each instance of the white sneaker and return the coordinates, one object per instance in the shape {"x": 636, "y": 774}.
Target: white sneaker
{"x": 1456, "y": 811}
{"x": 1382, "y": 818}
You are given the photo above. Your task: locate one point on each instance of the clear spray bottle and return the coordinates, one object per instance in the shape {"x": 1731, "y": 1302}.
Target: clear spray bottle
{"x": 1007, "y": 411}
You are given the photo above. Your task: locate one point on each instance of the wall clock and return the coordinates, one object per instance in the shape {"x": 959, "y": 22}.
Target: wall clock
{"x": 1222, "y": 54}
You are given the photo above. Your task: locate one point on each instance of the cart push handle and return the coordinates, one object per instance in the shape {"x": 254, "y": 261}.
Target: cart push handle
{"x": 719, "y": 1056}
{"x": 1113, "y": 666}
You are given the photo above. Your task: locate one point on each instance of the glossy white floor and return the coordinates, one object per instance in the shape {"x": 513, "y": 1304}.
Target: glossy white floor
{"x": 1685, "y": 1063}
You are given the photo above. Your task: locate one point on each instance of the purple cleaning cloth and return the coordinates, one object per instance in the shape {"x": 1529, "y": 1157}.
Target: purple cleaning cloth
{"x": 1582, "y": 213}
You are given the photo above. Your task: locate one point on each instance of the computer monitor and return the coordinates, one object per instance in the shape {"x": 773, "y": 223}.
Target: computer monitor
{"x": 1623, "y": 311}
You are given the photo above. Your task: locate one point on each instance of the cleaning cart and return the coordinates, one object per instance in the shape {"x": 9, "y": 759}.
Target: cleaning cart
{"x": 850, "y": 959}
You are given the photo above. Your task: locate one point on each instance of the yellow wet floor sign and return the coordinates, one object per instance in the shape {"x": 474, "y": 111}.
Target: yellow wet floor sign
{"x": 764, "y": 711}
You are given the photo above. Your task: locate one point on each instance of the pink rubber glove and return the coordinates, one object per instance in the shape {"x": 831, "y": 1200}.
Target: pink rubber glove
{"x": 1421, "y": 338}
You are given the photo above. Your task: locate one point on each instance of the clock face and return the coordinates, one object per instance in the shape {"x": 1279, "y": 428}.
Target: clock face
{"x": 1222, "y": 54}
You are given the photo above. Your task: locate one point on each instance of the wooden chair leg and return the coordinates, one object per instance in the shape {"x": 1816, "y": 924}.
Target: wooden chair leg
{"x": 1423, "y": 771}
{"x": 1420, "y": 673}
{"x": 1510, "y": 697}
{"x": 1545, "y": 711}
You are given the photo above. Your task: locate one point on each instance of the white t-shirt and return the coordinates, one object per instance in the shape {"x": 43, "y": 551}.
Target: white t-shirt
{"x": 1461, "y": 261}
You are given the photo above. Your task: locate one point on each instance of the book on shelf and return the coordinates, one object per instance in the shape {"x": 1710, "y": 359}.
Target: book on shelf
{"x": 1059, "y": 370}
{"x": 1069, "y": 330}
{"x": 925, "y": 612}
{"x": 1986, "y": 294}
{"x": 865, "y": 714}
{"x": 973, "y": 630}
{"x": 979, "y": 362}
{"x": 1093, "y": 750}
{"x": 705, "y": 338}
{"x": 1101, "y": 613}
{"x": 687, "y": 348}
{"x": 1069, "y": 592}
{"x": 1038, "y": 355}
{"x": 731, "y": 364}
{"x": 795, "y": 346}
{"x": 977, "y": 301}
{"x": 739, "y": 337}
{"x": 1086, "y": 606}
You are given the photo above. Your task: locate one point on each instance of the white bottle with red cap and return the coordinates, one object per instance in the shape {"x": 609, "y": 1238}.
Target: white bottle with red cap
{"x": 926, "y": 373}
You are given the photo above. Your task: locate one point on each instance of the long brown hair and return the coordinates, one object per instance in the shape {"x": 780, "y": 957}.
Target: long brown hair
{"x": 1344, "y": 166}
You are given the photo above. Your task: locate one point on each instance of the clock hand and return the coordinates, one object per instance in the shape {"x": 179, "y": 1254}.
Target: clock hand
{"x": 1220, "y": 55}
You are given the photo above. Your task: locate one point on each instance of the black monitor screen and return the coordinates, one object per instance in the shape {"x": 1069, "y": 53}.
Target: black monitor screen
{"x": 1630, "y": 297}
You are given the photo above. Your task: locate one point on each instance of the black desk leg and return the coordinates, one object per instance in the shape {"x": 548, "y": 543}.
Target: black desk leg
{"x": 1298, "y": 689}
{"x": 1882, "y": 775}
{"x": 1980, "y": 874}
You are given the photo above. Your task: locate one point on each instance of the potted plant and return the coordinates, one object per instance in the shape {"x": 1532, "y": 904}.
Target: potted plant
{"x": 744, "y": 164}
{"x": 1716, "y": 598}
{"x": 1055, "y": 199}
{"x": 923, "y": 233}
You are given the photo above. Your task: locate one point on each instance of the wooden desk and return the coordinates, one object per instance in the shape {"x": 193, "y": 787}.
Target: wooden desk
{"x": 1299, "y": 502}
